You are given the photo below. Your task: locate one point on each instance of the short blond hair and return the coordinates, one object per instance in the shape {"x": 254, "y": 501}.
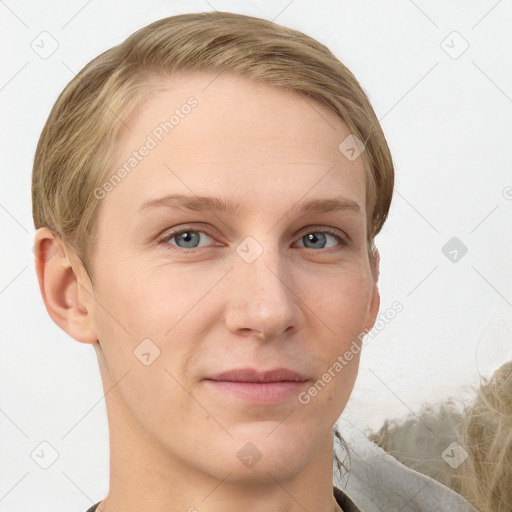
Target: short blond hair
{"x": 74, "y": 155}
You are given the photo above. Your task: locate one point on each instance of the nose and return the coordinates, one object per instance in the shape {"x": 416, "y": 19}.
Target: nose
{"x": 262, "y": 297}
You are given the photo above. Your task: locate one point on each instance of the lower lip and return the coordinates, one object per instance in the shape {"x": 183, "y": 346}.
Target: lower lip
{"x": 260, "y": 392}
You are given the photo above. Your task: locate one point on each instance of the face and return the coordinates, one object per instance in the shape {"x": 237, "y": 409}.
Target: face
{"x": 189, "y": 288}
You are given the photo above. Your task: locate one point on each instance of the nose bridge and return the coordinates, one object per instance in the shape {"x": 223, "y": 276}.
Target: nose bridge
{"x": 262, "y": 298}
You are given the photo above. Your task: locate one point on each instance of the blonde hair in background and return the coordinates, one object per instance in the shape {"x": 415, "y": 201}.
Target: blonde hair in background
{"x": 483, "y": 429}
{"x": 76, "y": 151}
{"x": 485, "y": 478}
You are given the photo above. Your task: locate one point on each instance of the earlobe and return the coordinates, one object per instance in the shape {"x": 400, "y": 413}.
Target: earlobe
{"x": 61, "y": 289}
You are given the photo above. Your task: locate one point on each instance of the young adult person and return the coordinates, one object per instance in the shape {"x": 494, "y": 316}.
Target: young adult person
{"x": 206, "y": 197}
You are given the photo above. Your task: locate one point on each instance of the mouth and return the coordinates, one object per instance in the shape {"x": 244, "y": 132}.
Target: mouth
{"x": 264, "y": 387}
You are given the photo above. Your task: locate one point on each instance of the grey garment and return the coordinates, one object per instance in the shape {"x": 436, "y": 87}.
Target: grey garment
{"x": 343, "y": 501}
{"x": 377, "y": 482}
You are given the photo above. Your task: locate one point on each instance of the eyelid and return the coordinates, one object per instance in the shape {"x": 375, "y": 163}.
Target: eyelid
{"x": 338, "y": 233}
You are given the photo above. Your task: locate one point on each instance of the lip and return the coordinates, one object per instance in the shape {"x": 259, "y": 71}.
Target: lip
{"x": 259, "y": 387}
{"x": 259, "y": 376}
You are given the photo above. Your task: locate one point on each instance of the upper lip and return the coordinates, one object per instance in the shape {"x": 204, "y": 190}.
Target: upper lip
{"x": 254, "y": 375}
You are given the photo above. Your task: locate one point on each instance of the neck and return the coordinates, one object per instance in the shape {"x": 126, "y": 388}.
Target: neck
{"x": 144, "y": 476}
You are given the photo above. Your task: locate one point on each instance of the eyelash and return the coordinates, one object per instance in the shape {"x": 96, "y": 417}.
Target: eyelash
{"x": 164, "y": 240}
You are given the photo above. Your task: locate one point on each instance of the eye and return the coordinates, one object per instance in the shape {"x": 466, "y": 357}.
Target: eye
{"x": 185, "y": 238}
{"x": 318, "y": 239}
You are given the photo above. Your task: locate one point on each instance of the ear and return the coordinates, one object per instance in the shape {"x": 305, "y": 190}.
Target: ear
{"x": 375, "y": 297}
{"x": 68, "y": 300}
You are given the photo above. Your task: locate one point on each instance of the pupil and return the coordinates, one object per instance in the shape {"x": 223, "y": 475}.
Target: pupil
{"x": 315, "y": 239}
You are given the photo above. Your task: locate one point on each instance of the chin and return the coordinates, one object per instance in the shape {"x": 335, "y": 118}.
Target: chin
{"x": 266, "y": 471}
{"x": 262, "y": 451}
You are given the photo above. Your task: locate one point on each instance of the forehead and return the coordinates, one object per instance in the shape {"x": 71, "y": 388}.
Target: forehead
{"x": 206, "y": 134}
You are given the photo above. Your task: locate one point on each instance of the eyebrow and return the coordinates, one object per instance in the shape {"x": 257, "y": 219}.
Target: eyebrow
{"x": 217, "y": 204}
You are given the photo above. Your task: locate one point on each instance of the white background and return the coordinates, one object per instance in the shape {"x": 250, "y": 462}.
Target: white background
{"x": 448, "y": 122}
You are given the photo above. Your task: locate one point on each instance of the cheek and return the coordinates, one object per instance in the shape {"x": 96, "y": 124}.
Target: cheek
{"x": 341, "y": 299}
{"x": 142, "y": 302}
{"x": 132, "y": 321}
{"x": 339, "y": 312}
{"x": 149, "y": 317}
